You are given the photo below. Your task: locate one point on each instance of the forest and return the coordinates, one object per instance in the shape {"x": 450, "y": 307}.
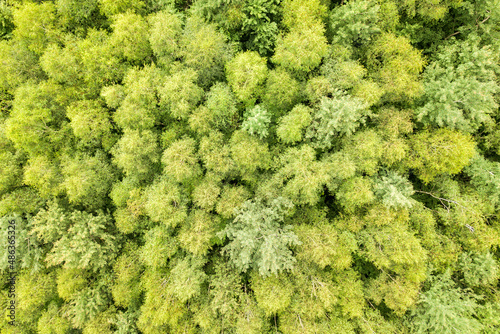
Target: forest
{"x": 249, "y": 166}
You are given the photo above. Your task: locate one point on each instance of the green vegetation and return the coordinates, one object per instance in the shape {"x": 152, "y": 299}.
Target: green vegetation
{"x": 250, "y": 166}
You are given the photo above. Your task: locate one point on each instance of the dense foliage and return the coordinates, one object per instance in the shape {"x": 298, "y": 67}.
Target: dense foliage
{"x": 250, "y": 166}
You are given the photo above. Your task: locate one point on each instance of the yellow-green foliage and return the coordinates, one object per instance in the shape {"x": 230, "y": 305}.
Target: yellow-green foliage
{"x": 440, "y": 151}
{"x": 250, "y": 166}
{"x": 246, "y": 74}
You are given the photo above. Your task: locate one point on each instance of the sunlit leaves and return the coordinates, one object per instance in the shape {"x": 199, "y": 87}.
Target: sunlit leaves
{"x": 258, "y": 239}
{"x": 246, "y": 74}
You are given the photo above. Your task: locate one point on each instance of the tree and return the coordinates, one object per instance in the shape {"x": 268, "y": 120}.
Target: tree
{"x": 394, "y": 190}
{"x": 179, "y": 95}
{"x": 248, "y": 153}
{"x": 127, "y": 269}
{"x": 100, "y": 65}
{"x": 82, "y": 241}
{"x": 180, "y": 161}
{"x": 204, "y": 49}
{"x": 88, "y": 179}
{"x": 158, "y": 248}
{"x": 460, "y": 87}
{"x": 340, "y": 115}
{"x": 221, "y": 103}
{"x": 138, "y": 109}
{"x": 130, "y": 37}
{"x": 282, "y": 91}
{"x": 34, "y": 292}
{"x": 35, "y": 24}
{"x": 444, "y": 308}
{"x": 291, "y": 126}
{"x": 75, "y": 13}
{"x": 484, "y": 177}
{"x": 302, "y": 49}
{"x": 396, "y": 66}
{"x": 216, "y": 155}
{"x": 52, "y": 321}
{"x": 36, "y": 119}
{"x": 44, "y": 175}
{"x": 256, "y": 121}
{"x": 164, "y": 36}
{"x": 137, "y": 153}
{"x": 258, "y": 240}
{"x": 439, "y": 151}
{"x": 301, "y": 175}
{"x": 110, "y": 8}
{"x": 19, "y": 64}
{"x": 355, "y": 23}
{"x": 198, "y": 235}
{"x": 165, "y": 202}
{"x": 91, "y": 123}
{"x": 246, "y": 74}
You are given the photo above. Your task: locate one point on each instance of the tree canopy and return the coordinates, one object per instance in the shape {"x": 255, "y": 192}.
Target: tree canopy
{"x": 250, "y": 166}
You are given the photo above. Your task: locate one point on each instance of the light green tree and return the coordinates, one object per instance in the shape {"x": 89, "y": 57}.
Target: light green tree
{"x": 258, "y": 240}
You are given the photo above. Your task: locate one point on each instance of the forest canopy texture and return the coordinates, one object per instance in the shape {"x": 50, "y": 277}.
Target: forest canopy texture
{"x": 250, "y": 166}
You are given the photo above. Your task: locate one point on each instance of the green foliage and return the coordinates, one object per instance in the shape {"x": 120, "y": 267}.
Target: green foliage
{"x": 258, "y": 240}
{"x": 355, "y": 193}
{"x": 34, "y": 291}
{"x": 36, "y": 118}
{"x": 444, "y": 308}
{"x": 53, "y": 322}
{"x": 88, "y": 179}
{"x": 186, "y": 278}
{"x": 19, "y": 64}
{"x": 130, "y": 37}
{"x": 337, "y": 116}
{"x": 216, "y": 154}
{"x": 35, "y": 24}
{"x": 256, "y": 121}
{"x": 394, "y": 190}
{"x": 70, "y": 282}
{"x": 221, "y": 103}
{"x": 80, "y": 240}
{"x": 137, "y": 153}
{"x": 292, "y": 125}
{"x": 356, "y": 22}
{"x": 460, "y": 87}
{"x": 164, "y": 35}
{"x": 158, "y": 248}
{"x": 137, "y": 100}
{"x": 246, "y": 74}
{"x": 484, "y": 176}
{"x": 180, "y": 94}
{"x": 301, "y": 175}
{"x": 323, "y": 245}
{"x": 282, "y": 91}
{"x": 112, "y": 7}
{"x": 248, "y": 153}
{"x": 198, "y": 234}
{"x": 165, "y": 202}
{"x": 396, "y": 66}
{"x": 74, "y": 13}
{"x": 230, "y": 200}
{"x": 440, "y": 151}
{"x": 127, "y": 289}
{"x": 479, "y": 269}
{"x": 302, "y": 49}
{"x": 43, "y": 175}
{"x": 180, "y": 161}
{"x": 273, "y": 293}
{"x": 204, "y": 49}
{"x": 90, "y": 122}
{"x": 250, "y": 166}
